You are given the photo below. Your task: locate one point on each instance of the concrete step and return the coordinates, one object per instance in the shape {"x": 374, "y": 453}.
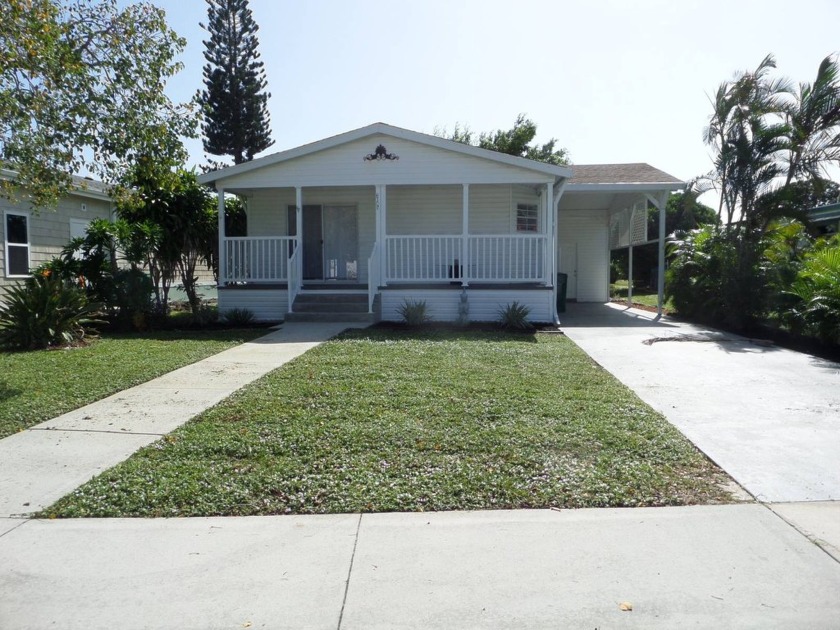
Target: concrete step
{"x": 329, "y": 298}
{"x": 330, "y": 317}
{"x": 331, "y": 307}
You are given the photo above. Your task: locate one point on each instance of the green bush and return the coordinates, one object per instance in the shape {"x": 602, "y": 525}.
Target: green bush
{"x": 720, "y": 277}
{"x": 414, "y": 313}
{"x": 239, "y": 317}
{"x": 44, "y": 311}
{"x": 514, "y": 316}
{"x": 817, "y": 294}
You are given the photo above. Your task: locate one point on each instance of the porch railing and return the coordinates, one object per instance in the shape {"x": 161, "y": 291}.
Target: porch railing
{"x": 422, "y": 258}
{"x": 257, "y": 259}
{"x": 489, "y": 258}
{"x": 295, "y": 280}
{"x": 507, "y": 258}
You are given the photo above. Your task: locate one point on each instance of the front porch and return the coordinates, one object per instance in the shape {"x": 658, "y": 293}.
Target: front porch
{"x": 392, "y": 243}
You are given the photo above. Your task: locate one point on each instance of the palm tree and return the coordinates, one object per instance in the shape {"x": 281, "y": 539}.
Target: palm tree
{"x": 813, "y": 120}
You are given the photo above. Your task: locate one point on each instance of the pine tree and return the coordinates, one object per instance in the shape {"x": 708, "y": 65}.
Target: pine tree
{"x": 236, "y": 119}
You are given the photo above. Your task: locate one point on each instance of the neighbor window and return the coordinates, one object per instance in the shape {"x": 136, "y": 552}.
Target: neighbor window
{"x": 527, "y": 217}
{"x": 17, "y": 244}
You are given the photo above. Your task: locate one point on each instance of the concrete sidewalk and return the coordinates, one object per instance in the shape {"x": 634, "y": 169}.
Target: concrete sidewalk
{"x": 735, "y": 566}
{"x": 42, "y": 464}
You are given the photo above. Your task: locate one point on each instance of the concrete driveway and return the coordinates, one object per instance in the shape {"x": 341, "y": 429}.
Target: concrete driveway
{"x": 768, "y": 416}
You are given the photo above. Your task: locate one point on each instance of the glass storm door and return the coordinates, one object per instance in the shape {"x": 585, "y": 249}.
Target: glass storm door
{"x": 341, "y": 243}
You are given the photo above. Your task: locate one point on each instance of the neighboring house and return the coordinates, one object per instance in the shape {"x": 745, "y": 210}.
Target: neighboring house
{"x": 31, "y": 237}
{"x": 825, "y": 219}
{"x": 367, "y": 220}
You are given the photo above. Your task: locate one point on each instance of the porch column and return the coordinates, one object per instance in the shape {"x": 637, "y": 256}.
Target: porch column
{"x": 548, "y": 266}
{"x": 222, "y": 255}
{"x": 299, "y": 232}
{"x": 382, "y": 229}
{"x": 465, "y": 236}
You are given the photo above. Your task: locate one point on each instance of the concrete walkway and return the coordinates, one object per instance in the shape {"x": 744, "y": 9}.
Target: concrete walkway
{"x": 768, "y": 416}
{"x": 42, "y": 464}
{"x": 735, "y": 566}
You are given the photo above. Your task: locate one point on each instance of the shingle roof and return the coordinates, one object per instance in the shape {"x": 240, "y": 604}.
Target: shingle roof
{"x": 93, "y": 185}
{"x": 638, "y": 173}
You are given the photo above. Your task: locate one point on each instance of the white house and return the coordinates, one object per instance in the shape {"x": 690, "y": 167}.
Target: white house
{"x": 361, "y": 222}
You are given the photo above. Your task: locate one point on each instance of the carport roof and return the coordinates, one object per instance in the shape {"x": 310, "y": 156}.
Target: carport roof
{"x": 634, "y": 173}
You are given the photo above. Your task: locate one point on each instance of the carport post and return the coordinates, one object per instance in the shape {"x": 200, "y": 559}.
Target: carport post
{"x": 660, "y": 276}
{"x": 630, "y": 270}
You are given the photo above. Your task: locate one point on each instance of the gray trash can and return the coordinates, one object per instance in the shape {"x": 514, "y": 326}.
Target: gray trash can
{"x": 562, "y": 281}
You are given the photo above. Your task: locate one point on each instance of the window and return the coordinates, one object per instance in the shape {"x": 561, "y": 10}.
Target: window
{"x": 527, "y": 217}
{"x": 17, "y": 244}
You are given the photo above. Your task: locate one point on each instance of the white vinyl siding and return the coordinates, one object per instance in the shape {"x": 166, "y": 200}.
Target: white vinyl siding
{"x": 267, "y": 305}
{"x": 419, "y": 164}
{"x": 424, "y": 210}
{"x": 584, "y": 254}
{"x": 484, "y": 304}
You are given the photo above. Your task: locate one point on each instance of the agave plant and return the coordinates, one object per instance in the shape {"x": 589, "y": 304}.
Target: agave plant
{"x": 44, "y": 312}
{"x": 514, "y": 316}
{"x": 414, "y": 312}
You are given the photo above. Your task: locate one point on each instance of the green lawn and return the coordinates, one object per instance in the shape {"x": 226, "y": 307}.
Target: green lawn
{"x": 641, "y": 296}
{"x": 39, "y": 385}
{"x": 380, "y": 420}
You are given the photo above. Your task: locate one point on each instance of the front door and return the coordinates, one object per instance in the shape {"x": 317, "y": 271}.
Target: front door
{"x": 330, "y": 242}
{"x": 313, "y": 241}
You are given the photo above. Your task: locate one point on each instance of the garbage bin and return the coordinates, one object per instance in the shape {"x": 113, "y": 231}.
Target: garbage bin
{"x": 562, "y": 281}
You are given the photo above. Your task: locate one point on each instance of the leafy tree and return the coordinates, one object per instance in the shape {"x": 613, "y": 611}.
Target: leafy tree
{"x": 82, "y": 88}
{"x": 185, "y": 218}
{"x": 516, "y": 141}
{"x": 683, "y": 212}
{"x": 235, "y": 104}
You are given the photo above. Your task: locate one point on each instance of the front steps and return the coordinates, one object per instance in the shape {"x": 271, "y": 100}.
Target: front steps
{"x": 335, "y": 306}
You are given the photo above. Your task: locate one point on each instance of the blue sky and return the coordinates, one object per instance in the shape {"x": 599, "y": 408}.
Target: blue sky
{"x": 613, "y": 81}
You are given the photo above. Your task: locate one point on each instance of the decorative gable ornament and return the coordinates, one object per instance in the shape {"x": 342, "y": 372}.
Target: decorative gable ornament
{"x": 381, "y": 153}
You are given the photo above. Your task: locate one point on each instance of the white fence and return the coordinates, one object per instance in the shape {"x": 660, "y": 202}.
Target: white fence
{"x": 494, "y": 258}
{"x": 257, "y": 259}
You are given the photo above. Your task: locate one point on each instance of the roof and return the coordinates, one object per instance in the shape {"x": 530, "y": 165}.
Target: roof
{"x": 82, "y": 186}
{"x": 827, "y": 213}
{"x": 634, "y": 173}
{"x": 559, "y": 172}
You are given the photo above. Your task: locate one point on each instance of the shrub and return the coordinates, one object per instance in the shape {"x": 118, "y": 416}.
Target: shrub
{"x": 720, "y": 277}
{"x": 817, "y": 294}
{"x": 514, "y": 316}
{"x": 239, "y": 316}
{"x": 414, "y": 313}
{"x": 44, "y": 312}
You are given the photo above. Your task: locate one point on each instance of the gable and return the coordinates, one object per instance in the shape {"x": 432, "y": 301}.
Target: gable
{"x": 344, "y": 165}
